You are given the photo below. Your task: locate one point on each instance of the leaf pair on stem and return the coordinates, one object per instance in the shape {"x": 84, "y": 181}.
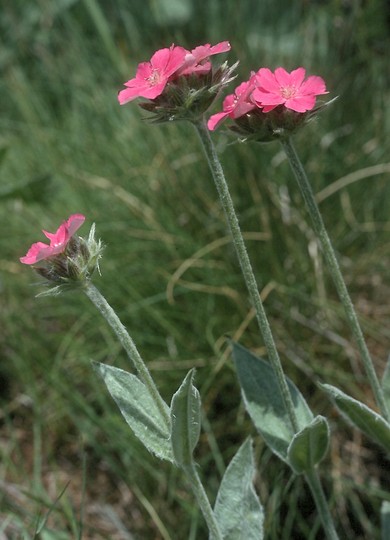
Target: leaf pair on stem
{"x": 238, "y": 513}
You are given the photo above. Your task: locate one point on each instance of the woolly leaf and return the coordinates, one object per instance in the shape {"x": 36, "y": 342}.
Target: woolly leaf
{"x": 138, "y": 409}
{"x": 264, "y": 403}
{"x": 237, "y": 509}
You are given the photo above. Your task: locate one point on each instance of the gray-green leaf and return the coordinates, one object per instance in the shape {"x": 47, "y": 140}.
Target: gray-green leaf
{"x": 185, "y": 420}
{"x": 138, "y": 409}
{"x": 264, "y": 403}
{"x": 309, "y": 446}
{"x": 361, "y": 416}
{"x": 237, "y": 508}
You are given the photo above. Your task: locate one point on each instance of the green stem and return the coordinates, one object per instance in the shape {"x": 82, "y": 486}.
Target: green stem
{"x": 313, "y": 480}
{"x": 246, "y": 267}
{"x": 128, "y": 344}
{"x": 203, "y": 501}
{"x": 334, "y": 268}
{"x": 227, "y": 203}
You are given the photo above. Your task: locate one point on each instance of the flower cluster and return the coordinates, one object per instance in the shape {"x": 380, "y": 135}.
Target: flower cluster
{"x": 179, "y": 84}
{"x": 271, "y": 104}
{"x": 67, "y": 259}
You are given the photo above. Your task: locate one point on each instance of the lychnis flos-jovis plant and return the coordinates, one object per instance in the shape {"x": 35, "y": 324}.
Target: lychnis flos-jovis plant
{"x": 181, "y": 85}
{"x": 269, "y": 106}
{"x": 170, "y": 433}
{"x": 295, "y": 425}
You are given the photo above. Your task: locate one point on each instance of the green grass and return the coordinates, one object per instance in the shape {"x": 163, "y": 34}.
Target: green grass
{"x": 66, "y": 146}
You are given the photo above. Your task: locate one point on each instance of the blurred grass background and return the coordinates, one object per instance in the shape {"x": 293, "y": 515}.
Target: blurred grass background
{"x": 169, "y": 270}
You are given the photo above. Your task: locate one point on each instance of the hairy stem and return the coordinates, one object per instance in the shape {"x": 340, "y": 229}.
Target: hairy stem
{"x": 313, "y": 480}
{"x": 204, "y": 503}
{"x": 246, "y": 267}
{"x": 128, "y": 344}
{"x": 333, "y": 265}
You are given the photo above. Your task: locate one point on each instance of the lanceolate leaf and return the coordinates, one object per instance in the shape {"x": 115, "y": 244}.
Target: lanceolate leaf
{"x": 264, "y": 402}
{"x": 237, "y": 508}
{"x": 361, "y": 416}
{"x": 185, "y": 418}
{"x": 309, "y": 446}
{"x": 138, "y": 409}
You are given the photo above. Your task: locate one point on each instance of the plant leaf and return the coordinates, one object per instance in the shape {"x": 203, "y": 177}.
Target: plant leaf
{"x": 309, "y": 446}
{"x": 237, "y": 509}
{"x": 264, "y": 402}
{"x": 361, "y": 416}
{"x": 185, "y": 420}
{"x": 138, "y": 409}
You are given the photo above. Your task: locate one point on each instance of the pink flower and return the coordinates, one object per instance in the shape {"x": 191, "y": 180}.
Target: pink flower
{"x": 58, "y": 241}
{"x": 167, "y": 65}
{"x": 152, "y": 77}
{"x": 197, "y": 61}
{"x": 235, "y": 105}
{"x": 288, "y": 89}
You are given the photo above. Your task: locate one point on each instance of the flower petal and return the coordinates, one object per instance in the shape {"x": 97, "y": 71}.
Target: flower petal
{"x": 37, "y": 252}
{"x": 197, "y": 61}
{"x": 314, "y": 85}
{"x": 167, "y": 61}
{"x": 215, "y": 120}
{"x": 301, "y": 104}
{"x": 143, "y": 73}
{"x": 74, "y": 222}
{"x": 266, "y": 80}
{"x": 297, "y": 76}
{"x": 128, "y": 94}
{"x": 282, "y": 77}
{"x": 267, "y": 98}
{"x": 268, "y": 108}
{"x": 204, "y": 51}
